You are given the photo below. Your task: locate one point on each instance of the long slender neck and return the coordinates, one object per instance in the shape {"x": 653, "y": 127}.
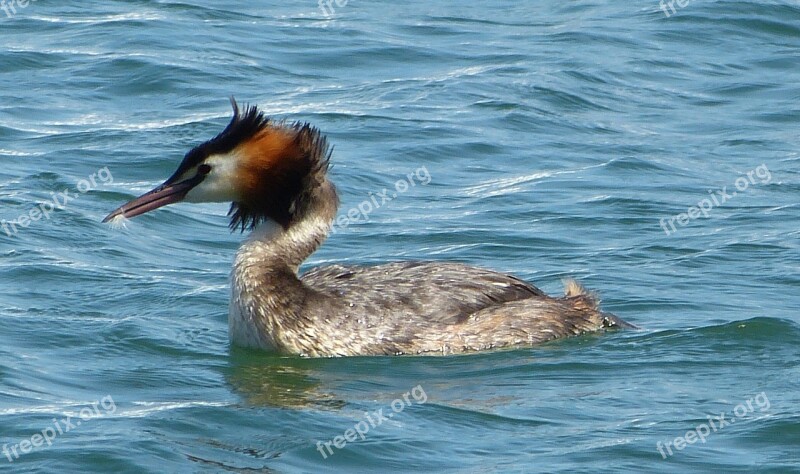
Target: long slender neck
{"x": 270, "y": 246}
{"x": 267, "y": 296}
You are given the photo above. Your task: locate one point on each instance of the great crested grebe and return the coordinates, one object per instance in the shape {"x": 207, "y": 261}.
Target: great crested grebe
{"x": 275, "y": 175}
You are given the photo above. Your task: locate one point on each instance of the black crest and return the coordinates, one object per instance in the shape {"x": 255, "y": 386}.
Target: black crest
{"x": 242, "y": 126}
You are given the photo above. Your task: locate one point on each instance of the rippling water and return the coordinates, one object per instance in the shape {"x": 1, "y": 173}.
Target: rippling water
{"x": 562, "y": 139}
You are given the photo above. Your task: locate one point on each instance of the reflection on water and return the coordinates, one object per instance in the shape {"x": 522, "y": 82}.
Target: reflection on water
{"x": 277, "y": 381}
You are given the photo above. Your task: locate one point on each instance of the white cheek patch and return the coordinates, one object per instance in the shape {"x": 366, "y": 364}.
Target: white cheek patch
{"x": 220, "y": 184}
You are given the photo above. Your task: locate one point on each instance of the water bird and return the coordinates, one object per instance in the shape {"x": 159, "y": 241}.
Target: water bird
{"x": 275, "y": 174}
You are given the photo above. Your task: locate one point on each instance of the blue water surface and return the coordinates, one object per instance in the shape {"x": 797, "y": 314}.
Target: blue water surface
{"x": 649, "y": 152}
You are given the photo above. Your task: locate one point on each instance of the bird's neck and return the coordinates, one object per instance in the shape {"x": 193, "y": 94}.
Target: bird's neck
{"x": 267, "y": 296}
{"x": 270, "y": 246}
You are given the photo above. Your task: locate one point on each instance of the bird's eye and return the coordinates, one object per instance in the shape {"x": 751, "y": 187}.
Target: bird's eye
{"x": 203, "y": 169}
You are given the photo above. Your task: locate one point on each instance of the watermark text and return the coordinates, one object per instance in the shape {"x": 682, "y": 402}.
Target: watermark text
{"x": 58, "y": 200}
{"x": 375, "y": 201}
{"x": 715, "y": 423}
{"x": 10, "y": 6}
{"x": 716, "y": 198}
{"x": 59, "y": 427}
{"x": 669, "y": 6}
{"x": 376, "y": 418}
{"x": 326, "y": 6}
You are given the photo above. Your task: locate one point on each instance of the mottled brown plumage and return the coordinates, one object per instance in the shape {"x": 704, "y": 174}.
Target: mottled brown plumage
{"x": 275, "y": 175}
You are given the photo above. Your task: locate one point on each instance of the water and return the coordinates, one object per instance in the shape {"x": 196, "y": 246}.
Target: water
{"x": 557, "y": 136}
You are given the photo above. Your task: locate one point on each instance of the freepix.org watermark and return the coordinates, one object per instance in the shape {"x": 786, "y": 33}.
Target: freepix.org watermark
{"x": 10, "y": 6}
{"x": 376, "y": 418}
{"x": 65, "y": 425}
{"x": 58, "y": 200}
{"x": 715, "y": 423}
{"x": 669, "y": 6}
{"x": 375, "y": 201}
{"x": 326, "y": 6}
{"x": 716, "y": 198}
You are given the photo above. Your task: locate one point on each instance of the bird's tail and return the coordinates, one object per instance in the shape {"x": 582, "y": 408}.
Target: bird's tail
{"x": 585, "y": 300}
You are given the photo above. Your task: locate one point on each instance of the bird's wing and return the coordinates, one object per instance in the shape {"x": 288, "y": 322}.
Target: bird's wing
{"x": 440, "y": 292}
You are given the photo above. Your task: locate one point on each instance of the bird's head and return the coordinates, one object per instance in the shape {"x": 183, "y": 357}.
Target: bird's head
{"x": 268, "y": 171}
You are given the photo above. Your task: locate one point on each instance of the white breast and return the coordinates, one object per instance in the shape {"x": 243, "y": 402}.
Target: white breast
{"x": 244, "y": 312}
